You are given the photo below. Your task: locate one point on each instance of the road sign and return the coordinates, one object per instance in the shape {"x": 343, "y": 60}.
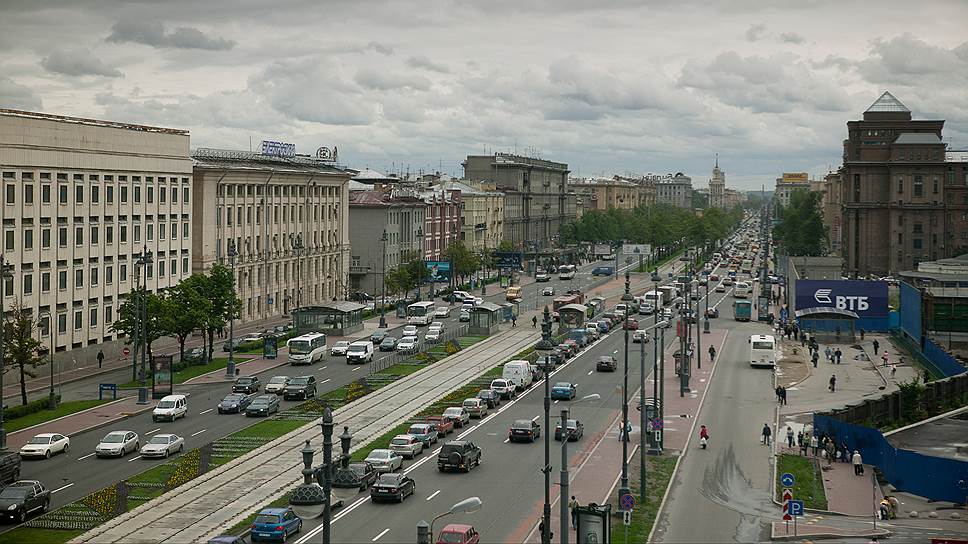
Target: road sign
{"x": 636, "y": 249}
{"x": 796, "y": 508}
{"x": 656, "y": 423}
{"x": 787, "y": 498}
{"x": 627, "y": 516}
{"x": 627, "y": 502}
{"x": 126, "y": 351}
{"x": 787, "y": 479}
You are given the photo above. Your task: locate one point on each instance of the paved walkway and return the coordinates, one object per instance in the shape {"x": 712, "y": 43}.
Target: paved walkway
{"x": 782, "y": 531}
{"x": 80, "y": 422}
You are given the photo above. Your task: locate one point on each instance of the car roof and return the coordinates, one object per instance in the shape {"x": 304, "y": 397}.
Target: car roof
{"x": 457, "y": 527}
{"x": 164, "y": 434}
{"x": 120, "y": 432}
{"x": 380, "y": 450}
{"x": 563, "y": 384}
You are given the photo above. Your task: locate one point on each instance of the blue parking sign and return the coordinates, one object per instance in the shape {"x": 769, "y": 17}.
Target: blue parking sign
{"x": 796, "y": 508}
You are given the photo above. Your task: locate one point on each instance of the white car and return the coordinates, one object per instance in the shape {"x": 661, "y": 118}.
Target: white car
{"x": 548, "y": 292}
{"x": 442, "y": 311}
{"x": 277, "y": 384}
{"x": 339, "y": 348}
{"x": 433, "y": 335}
{"x": 163, "y": 445}
{"x": 117, "y": 444}
{"x": 406, "y": 445}
{"x": 461, "y": 295}
{"x": 437, "y": 325}
{"x": 410, "y": 330}
{"x": 252, "y": 337}
{"x": 384, "y": 460}
{"x": 45, "y": 445}
{"x": 465, "y": 316}
{"x": 170, "y": 407}
{"x": 408, "y": 344}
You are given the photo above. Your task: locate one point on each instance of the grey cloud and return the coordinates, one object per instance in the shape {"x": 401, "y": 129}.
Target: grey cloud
{"x": 16, "y": 96}
{"x": 383, "y": 80}
{"x": 755, "y": 31}
{"x": 841, "y": 63}
{"x": 420, "y": 61}
{"x": 792, "y": 37}
{"x": 77, "y": 62}
{"x": 153, "y": 33}
{"x": 907, "y": 59}
{"x": 380, "y": 48}
{"x": 334, "y": 100}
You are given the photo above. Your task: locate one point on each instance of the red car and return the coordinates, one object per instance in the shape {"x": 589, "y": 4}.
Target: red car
{"x": 631, "y": 324}
{"x": 714, "y": 277}
{"x": 444, "y": 425}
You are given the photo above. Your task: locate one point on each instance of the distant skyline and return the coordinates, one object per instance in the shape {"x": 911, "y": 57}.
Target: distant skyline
{"x": 612, "y": 87}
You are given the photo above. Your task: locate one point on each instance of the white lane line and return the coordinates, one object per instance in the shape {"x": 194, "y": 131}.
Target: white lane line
{"x": 556, "y": 402}
{"x": 61, "y": 488}
{"x": 354, "y": 370}
{"x": 590, "y": 372}
{"x": 535, "y": 418}
{"x": 506, "y": 440}
{"x": 134, "y": 458}
{"x": 324, "y": 381}
{"x": 198, "y": 433}
{"x": 616, "y": 351}
{"x": 205, "y": 412}
{"x": 322, "y": 368}
{"x": 377, "y": 537}
{"x": 153, "y": 431}
{"x": 432, "y": 495}
{"x": 86, "y": 456}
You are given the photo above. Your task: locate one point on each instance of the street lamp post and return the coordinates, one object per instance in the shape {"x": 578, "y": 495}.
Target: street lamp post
{"x": 6, "y": 272}
{"x": 230, "y": 367}
{"x": 420, "y": 254}
{"x": 698, "y": 336}
{"x": 545, "y": 345}
{"x": 52, "y": 398}
{"x": 383, "y": 276}
{"x": 564, "y": 478}
{"x": 312, "y": 500}
{"x": 297, "y": 246}
{"x": 425, "y": 532}
{"x": 144, "y": 261}
{"x": 624, "y": 485}
{"x": 706, "y": 313}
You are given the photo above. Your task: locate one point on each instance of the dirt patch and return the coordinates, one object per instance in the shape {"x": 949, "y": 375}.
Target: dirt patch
{"x": 793, "y": 367}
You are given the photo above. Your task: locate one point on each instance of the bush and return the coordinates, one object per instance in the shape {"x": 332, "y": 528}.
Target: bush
{"x": 32, "y": 407}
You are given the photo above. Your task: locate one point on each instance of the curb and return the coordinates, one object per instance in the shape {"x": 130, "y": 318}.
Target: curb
{"x": 25, "y": 429}
{"x": 100, "y": 424}
{"x": 238, "y": 365}
{"x": 879, "y": 533}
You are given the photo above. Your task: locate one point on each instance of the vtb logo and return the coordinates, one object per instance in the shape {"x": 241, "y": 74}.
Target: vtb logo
{"x": 841, "y": 302}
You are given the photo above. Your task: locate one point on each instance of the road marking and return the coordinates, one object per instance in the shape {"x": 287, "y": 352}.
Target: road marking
{"x": 134, "y": 458}
{"x": 205, "y": 412}
{"x": 86, "y": 456}
{"x": 590, "y": 372}
{"x": 535, "y": 418}
{"x": 322, "y": 368}
{"x": 61, "y": 488}
{"x": 432, "y": 495}
{"x": 324, "y": 381}
{"x": 506, "y": 440}
{"x": 199, "y": 432}
{"x": 153, "y": 431}
{"x": 616, "y": 351}
{"x": 556, "y": 402}
{"x": 354, "y": 370}
{"x": 377, "y": 537}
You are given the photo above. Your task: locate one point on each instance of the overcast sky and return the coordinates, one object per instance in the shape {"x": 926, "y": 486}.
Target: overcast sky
{"x": 607, "y": 87}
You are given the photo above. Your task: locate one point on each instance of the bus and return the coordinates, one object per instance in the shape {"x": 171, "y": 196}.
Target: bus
{"x": 420, "y": 313}
{"x": 747, "y": 266}
{"x": 741, "y": 290}
{"x": 762, "y": 350}
{"x": 306, "y": 349}
{"x": 564, "y": 300}
{"x": 566, "y": 272}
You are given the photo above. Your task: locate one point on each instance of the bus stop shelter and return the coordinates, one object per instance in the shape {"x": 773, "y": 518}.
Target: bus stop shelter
{"x": 486, "y": 319}
{"x": 572, "y": 316}
{"x": 830, "y": 324}
{"x": 333, "y": 318}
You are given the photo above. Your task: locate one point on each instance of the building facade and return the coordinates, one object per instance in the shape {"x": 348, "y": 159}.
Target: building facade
{"x": 674, "y": 190}
{"x": 287, "y": 219}
{"x": 717, "y": 187}
{"x": 733, "y": 198}
{"x": 82, "y": 199}
{"x": 536, "y": 195}
{"x": 606, "y": 193}
{"x": 895, "y": 181}
{"x": 441, "y": 221}
{"x": 789, "y": 183}
{"x": 482, "y": 214}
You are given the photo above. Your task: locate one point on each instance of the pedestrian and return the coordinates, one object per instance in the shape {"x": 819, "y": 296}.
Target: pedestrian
{"x": 858, "y": 463}
{"x": 831, "y": 451}
{"x": 790, "y": 437}
{"x": 862, "y": 335}
{"x": 893, "y": 370}
{"x": 534, "y": 322}
{"x": 778, "y": 394}
{"x": 541, "y": 530}
{"x": 100, "y": 358}
{"x": 803, "y": 340}
{"x": 573, "y": 506}
{"x": 844, "y": 452}
{"x": 884, "y": 357}
{"x": 514, "y": 320}
{"x": 837, "y": 355}
{"x": 814, "y": 358}
{"x": 829, "y": 354}
{"x": 766, "y": 434}
{"x": 814, "y": 443}
{"x": 877, "y": 346}
{"x": 833, "y": 383}
{"x": 800, "y": 438}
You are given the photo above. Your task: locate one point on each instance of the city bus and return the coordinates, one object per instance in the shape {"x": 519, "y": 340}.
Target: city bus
{"x": 306, "y": 349}
{"x": 741, "y": 290}
{"x": 566, "y": 272}
{"x": 420, "y": 313}
{"x": 762, "y": 350}
{"x": 564, "y": 300}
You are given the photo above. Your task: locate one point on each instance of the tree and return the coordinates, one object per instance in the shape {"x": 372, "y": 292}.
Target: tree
{"x": 218, "y": 287}
{"x": 20, "y": 349}
{"x": 505, "y": 245}
{"x": 127, "y": 321}
{"x": 463, "y": 261}
{"x": 184, "y": 309}
{"x": 800, "y": 229}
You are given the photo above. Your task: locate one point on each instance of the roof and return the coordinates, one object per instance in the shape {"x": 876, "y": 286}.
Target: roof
{"x": 91, "y": 122}
{"x": 918, "y": 138}
{"x": 576, "y": 307}
{"x": 887, "y": 102}
{"x": 228, "y": 159}
{"x": 488, "y": 306}
{"x": 371, "y": 175}
{"x": 821, "y": 310}
{"x": 343, "y": 306}
{"x": 466, "y": 189}
{"x": 379, "y": 199}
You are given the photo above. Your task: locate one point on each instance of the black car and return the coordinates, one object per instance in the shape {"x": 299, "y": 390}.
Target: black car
{"x": 606, "y": 363}
{"x": 712, "y": 313}
{"x": 389, "y": 343}
{"x": 263, "y": 405}
{"x": 489, "y": 396}
{"x": 575, "y": 430}
{"x": 247, "y": 384}
{"x": 378, "y": 336}
{"x": 524, "y": 429}
{"x": 360, "y": 475}
{"x": 22, "y": 498}
{"x": 300, "y": 387}
{"x": 460, "y": 455}
{"x": 234, "y": 403}
{"x": 392, "y": 486}
{"x": 9, "y": 466}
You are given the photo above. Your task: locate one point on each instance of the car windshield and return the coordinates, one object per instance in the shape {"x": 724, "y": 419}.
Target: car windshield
{"x": 451, "y": 538}
{"x": 266, "y": 518}
{"x": 419, "y": 429}
{"x": 452, "y": 412}
{"x": 399, "y": 441}
{"x": 355, "y": 349}
{"x": 259, "y": 401}
{"x": 166, "y": 404}
{"x": 448, "y": 449}
{"x": 302, "y": 380}
{"x": 244, "y": 381}
{"x": 471, "y": 402}
{"x": 233, "y": 398}
{"x": 605, "y": 359}
{"x": 13, "y": 493}
{"x": 390, "y": 479}
{"x": 159, "y": 440}
{"x": 40, "y": 440}
{"x": 564, "y": 385}
{"x": 389, "y": 341}
{"x": 379, "y": 454}
{"x": 341, "y": 344}
{"x": 278, "y": 379}
{"x": 114, "y": 438}
{"x": 499, "y": 383}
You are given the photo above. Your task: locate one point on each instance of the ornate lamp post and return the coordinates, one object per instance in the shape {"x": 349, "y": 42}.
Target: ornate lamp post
{"x": 383, "y": 276}
{"x": 624, "y": 485}
{"x": 546, "y": 346}
{"x": 230, "y": 367}
{"x": 6, "y": 272}
{"x": 312, "y": 500}
{"x": 143, "y": 262}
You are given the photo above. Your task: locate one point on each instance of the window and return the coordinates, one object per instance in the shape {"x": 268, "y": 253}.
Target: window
{"x": 123, "y": 273}
{"x": 8, "y": 240}
{"x": 185, "y": 195}
{"x": 124, "y": 194}
{"x": 184, "y": 265}
{"x": 45, "y": 194}
{"x": 79, "y": 278}
{"x": 28, "y": 282}
{"x": 28, "y": 239}
{"x": 109, "y": 274}
{"x": 161, "y": 231}
{"x": 78, "y": 194}
{"x": 174, "y": 195}
{"x": 93, "y": 318}
{"x": 137, "y": 234}
{"x": 151, "y": 232}
{"x": 10, "y": 190}
{"x": 108, "y": 314}
{"x": 109, "y": 234}
{"x": 918, "y": 186}
{"x": 900, "y": 238}
{"x": 934, "y": 185}
{"x": 173, "y": 267}
{"x": 161, "y": 195}
{"x": 123, "y": 234}
{"x": 78, "y": 320}
{"x": 185, "y": 228}
{"x": 62, "y": 236}
{"x": 62, "y": 279}
{"x": 900, "y": 184}
{"x": 109, "y": 194}
{"x": 918, "y": 228}
{"x": 62, "y": 193}
{"x": 137, "y": 194}
{"x": 78, "y": 236}
{"x": 174, "y": 231}
{"x": 95, "y": 194}
{"x": 61, "y": 323}
{"x": 45, "y": 282}
{"x": 161, "y": 268}
{"x": 916, "y": 243}
{"x": 94, "y": 276}
{"x": 29, "y": 193}
{"x": 95, "y": 235}
{"x": 151, "y": 194}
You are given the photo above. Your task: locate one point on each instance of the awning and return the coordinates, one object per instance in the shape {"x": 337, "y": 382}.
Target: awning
{"x": 818, "y": 310}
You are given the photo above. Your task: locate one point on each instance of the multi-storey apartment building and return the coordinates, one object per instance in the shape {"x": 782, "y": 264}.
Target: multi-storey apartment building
{"x": 441, "y": 221}
{"x": 82, "y": 199}
{"x": 482, "y": 214}
{"x": 286, "y": 218}
{"x": 788, "y": 183}
{"x": 615, "y": 192}
{"x": 674, "y": 190}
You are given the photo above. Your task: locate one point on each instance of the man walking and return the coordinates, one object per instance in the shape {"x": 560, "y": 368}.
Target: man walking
{"x": 814, "y": 358}
{"x": 790, "y": 437}
{"x": 814, "y": 443}
{"x": 514, "y": 320}
{"x": 778, "y": 394}
{"x": 828, "y": 353}
{"x": 884, "y": 357}
{"x": 766, "y": 434}
{"x": 782, "y": 395}
{"x": 893, "y": 370}
{"x": 877, "y": 346}
{"x": 573, "y": 506}
{"x": 833, "y": 383}
{"x": 837, "y": 355}
{"x": 100, "y": 358}
{"x": 858, "y": 463}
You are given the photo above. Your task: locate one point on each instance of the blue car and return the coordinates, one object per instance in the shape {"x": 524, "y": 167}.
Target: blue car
{"x": 564, "y": 390}
{"x": 275, "y": 524}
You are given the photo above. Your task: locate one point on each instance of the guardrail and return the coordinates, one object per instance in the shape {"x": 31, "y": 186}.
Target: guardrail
{"x": 397, "y": 357}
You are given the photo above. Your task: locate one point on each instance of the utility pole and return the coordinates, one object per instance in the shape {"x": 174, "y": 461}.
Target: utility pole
{"x": 624, "y": 485}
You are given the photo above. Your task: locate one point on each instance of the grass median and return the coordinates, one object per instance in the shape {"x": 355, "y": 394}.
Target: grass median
{"x": 63, "y": 409}
{"x": 189, "y": 372}
{"x": 659, "y": 469}
{"x": 808, "y": 486}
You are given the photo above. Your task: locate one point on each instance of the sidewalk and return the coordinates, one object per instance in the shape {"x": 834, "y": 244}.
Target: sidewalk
{"x": 80, "y": 422}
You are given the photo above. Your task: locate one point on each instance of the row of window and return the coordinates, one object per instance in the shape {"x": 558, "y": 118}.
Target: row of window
{"x": 308, "y": 269}
{"x": 241, "y": 190}
{"x": 94, "y": 194}
{"x": 27, "y": 235}
{"x": 109, "y": 178}
{"x": 78, "y": 320}
{"x": 164, "y": 267}
{"x": 330, "y": 213}
{"x": 285, "y": 242}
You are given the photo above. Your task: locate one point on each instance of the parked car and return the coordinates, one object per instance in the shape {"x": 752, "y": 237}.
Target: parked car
{"x": 9, "y": 466}
{"x": 194, "y": 356}
{"x": 424, "y": 432}
{"x": 548, "y": 291}
{"x": 459, "y": 296}
{"x": 377, "y": 337}
{"x": 575, "y": 430}
{"x": 406, "y": 445}
{"x": 117, "y": 444}
{"x": 458, "y": 415}
{"x": 465, "y": 316}
{"x": 640, "y": 337}
{"x": 234, "y": 403}
{"x": 568, "y": 350}
{"x": 444, "y": 425}
{"x": 383, "y": 460}
{"x": 277, "y": 384}
{"x": 524, "y": 430}
{"x": 408, "y": 344}
{"x": 606, "y": 363}
{"x": 275, "y": 524}
{"x": 360, "y": 475}
{"x": 392, "y": 486}
{"x": 263, "y": 405}
{"x": 247, "y": 384}
{"x": 170, "y": 407}
{"x": 44, "y": 445}
{"x": 163, "y": 445}
{"x": 300, "y": 387}
{"x": 475, "y": 407}
{"x": 22, "y": 498}
{"x": 490, "y": 396}
{"x": 232, "y": 345}
{"x": 460, "y": 455}
{"x": 504, "y": 388}
{"x": 410, "y": 330}
{"x": 564, "y": 390}
{"x": 339, "y": 348}
{"x": 442, "y": 311}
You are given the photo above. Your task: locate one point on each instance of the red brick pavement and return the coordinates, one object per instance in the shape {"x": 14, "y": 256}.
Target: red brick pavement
{"x": 73, "y": 424}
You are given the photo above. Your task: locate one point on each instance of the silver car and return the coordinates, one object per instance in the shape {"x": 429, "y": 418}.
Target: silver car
{"x": 163, "y": 445}
{"x": 117, "y": 444}
{"x": 385, "y": 460}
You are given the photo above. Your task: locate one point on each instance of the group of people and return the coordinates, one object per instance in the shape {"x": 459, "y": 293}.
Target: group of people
{"x": 781, "y": 394}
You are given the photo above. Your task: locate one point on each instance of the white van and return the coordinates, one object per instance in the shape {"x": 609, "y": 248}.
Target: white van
{"x": 517, "y": 372}
{"x": 170, "y": 407}
{"x": 360, "y": 352}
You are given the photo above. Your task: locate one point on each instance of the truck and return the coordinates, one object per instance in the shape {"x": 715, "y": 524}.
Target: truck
{"x": 669, "y": 293}
{"x": 742, "y": 310}
{"x": 513, "y": 294}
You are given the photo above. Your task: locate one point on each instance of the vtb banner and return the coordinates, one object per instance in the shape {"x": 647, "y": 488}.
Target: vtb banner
{"x": 865, "y": 298}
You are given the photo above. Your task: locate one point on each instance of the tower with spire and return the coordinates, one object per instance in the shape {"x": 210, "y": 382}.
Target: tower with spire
{"x": 717, "y": 186}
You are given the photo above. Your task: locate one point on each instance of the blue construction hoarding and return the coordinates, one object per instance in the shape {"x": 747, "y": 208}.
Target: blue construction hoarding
{"x": 868, "y": 299}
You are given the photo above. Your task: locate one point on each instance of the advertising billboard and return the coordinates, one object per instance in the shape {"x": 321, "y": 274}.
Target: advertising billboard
{"x": 439, "y": 271}
{"x": 601, "y": 249}
{"x": 507, "y": 259}
{"x": 868, "y": 299}
{"x": 636, "y": 249}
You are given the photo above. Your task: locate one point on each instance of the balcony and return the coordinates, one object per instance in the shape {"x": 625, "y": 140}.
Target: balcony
{"x": 359, "y": 269}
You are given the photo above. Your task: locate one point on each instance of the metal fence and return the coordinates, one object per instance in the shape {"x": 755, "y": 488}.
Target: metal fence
{"x": 397, "y": 357}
